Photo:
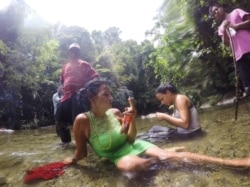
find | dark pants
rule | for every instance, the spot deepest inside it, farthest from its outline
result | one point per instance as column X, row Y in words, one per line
column 159, row 133
column 243, row 66
column 65, row 116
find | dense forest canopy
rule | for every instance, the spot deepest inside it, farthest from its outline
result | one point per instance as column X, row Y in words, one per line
column 186, row 51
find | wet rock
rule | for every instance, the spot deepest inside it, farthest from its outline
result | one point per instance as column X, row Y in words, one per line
column 2, row 181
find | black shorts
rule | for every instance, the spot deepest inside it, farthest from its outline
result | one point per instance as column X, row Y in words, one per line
column 63, row 112
column 158, row 133
column 69, row 109
column 243, row 66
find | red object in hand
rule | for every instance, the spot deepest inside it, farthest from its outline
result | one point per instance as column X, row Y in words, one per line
column 126, row 121
column 128, row 117
column 46, row 172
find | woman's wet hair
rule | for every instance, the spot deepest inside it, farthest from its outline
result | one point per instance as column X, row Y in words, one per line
column 166, row 87
column 90, row 90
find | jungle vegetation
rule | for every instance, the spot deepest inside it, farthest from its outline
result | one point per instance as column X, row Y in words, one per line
column 185, row 51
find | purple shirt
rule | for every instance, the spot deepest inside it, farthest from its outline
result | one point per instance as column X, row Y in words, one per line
column 241, row 41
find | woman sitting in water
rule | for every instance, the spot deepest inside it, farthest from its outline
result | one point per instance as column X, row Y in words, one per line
column 185, row 115
column 101, row 127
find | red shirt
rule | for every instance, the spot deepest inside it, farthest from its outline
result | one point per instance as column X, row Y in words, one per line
column 74, row 76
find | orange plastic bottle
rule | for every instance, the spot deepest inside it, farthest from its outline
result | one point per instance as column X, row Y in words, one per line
column 126, row 121
column 127, row 118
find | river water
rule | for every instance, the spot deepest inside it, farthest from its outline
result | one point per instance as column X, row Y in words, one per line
column 223, row 137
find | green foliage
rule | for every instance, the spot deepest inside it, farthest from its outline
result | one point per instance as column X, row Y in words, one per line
column 111, row 36
column 176, row 44
column 103, row 40
column 3, row 49
column 11, row 21
column 176, row 53
column 67, row 35
column 145, row 83
column 189, row 52
column 27, row 65
column 126, row 64
column 121, row 59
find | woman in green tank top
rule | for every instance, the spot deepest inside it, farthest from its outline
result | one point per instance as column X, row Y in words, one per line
column 103, row 128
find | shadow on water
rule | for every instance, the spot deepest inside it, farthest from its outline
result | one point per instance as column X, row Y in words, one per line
column 222, row 137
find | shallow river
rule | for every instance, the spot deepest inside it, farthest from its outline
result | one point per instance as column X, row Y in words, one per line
column 223, row 137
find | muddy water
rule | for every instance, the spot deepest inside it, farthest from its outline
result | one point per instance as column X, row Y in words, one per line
column 223, row 137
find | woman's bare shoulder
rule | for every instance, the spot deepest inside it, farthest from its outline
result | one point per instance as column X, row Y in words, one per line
column 81, row 120
column 81, row 116
column 182, row 100
column 81, row 125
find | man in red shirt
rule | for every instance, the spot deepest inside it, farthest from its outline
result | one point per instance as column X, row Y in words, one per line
column 75, row 74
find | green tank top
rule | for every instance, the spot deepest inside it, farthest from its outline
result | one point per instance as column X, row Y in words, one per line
column 107, row 141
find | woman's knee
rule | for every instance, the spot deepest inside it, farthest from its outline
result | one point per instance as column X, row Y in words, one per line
column 131, row 163
column 134, row 163
column 125, row 164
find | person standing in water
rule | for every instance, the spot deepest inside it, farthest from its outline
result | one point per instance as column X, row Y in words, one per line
column 238, row 23
column 75, row 74
column 102, row 126
column 56, row 98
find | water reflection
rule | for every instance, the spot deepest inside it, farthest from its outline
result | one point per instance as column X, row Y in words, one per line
column 223, row 137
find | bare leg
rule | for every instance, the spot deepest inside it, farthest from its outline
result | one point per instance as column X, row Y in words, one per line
column 63, row 132
column 199, row 158
column 132, row 163
column 196, row 158
column 175, row 149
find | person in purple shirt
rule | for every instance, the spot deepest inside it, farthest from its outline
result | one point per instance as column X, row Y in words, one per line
column 238, row 24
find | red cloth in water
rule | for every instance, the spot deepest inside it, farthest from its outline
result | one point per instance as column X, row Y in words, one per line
column 46, row 172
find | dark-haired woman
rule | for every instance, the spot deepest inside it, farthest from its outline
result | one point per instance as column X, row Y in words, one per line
column 185, row 115
column 101, row 127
